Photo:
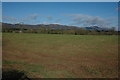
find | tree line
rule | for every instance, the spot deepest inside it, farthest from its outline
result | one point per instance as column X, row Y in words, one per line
column 48, row 30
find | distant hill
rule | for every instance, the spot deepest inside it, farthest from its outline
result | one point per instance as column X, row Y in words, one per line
column 51, row 26
column 27, row 26
column 96, row 28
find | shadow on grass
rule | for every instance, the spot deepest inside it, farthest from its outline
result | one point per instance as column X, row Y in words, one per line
column 14, row 75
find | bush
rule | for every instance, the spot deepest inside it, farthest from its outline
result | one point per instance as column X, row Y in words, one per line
column 14, row 75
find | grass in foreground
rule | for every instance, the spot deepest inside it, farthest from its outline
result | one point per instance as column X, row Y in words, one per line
column 61, row 56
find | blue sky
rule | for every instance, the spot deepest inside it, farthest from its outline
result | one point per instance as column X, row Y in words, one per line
column 67, row 13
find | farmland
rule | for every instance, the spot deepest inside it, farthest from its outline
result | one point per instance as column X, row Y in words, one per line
column 61, row 56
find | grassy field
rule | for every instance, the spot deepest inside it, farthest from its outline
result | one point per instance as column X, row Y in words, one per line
column 61, row 56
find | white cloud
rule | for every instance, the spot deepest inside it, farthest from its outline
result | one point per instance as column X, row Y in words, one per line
column 49, row 17
column 87, row 20
column 30, row 17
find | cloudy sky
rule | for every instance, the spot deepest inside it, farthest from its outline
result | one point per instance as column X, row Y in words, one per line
column 104, row 14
